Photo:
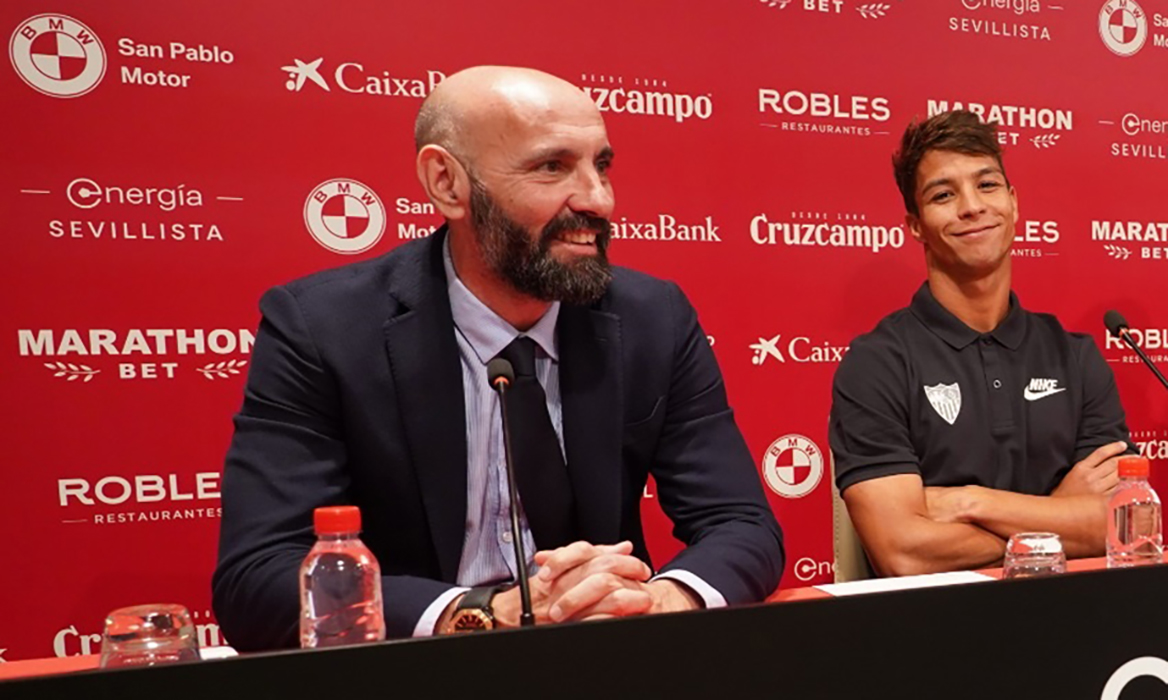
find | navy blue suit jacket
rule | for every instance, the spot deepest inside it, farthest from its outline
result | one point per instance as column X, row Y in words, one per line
column 355, row 396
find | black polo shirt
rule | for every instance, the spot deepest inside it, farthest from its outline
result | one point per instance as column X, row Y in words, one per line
column 1013, row 409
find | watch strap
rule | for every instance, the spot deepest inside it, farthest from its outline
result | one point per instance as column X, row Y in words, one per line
column 479, row 598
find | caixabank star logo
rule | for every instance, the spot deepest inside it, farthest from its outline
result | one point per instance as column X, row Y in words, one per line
column 57, row 55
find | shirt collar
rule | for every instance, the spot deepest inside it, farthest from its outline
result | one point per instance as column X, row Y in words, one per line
column 486, row 331
column 953, row 331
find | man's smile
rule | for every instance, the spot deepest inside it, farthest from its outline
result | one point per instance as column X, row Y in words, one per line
column 577, row 240
column 973, row 232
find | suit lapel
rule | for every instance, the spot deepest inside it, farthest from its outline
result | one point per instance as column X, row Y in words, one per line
column 427, row 375
column 591, row 390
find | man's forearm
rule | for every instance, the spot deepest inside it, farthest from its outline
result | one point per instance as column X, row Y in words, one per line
column 1079, row 521
column 925, row 546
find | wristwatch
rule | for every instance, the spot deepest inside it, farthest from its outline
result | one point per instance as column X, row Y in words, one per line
column 474, row 613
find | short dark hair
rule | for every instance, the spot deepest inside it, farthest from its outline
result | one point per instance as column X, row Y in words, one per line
column 959, row 131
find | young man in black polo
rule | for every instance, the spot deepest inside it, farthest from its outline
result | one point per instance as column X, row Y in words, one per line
column 964, row 418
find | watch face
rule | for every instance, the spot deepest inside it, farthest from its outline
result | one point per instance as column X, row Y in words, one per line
column 471, row 621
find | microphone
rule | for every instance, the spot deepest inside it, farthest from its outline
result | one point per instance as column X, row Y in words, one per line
column 500, row 374
column 1117, row 326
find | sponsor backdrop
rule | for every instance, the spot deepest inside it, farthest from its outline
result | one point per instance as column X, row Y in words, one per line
column 165, row 164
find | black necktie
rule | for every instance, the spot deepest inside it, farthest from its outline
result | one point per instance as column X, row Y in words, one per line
column 545, row 491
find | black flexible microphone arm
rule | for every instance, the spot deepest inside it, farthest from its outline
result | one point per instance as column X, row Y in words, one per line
column 1117, row 326
column 501, row 374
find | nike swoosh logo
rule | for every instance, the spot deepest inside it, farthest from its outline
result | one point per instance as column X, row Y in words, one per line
column 1036, row 395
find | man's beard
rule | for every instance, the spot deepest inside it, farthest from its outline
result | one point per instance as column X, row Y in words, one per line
column 528, row 264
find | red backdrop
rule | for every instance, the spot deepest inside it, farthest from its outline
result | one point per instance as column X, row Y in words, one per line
column 162, row 164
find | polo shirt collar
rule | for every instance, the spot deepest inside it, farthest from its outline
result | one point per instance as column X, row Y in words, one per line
column 486, row 332
column 953, row 331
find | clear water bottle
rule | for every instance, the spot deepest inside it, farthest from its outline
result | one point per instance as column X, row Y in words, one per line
column 1134, row 537
column 340, row 584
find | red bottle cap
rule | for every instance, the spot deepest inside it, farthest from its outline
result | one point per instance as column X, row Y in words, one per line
column 337, row 520
column 1133, row 468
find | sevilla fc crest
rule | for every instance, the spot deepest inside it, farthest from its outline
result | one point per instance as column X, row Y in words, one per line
column 946, row 400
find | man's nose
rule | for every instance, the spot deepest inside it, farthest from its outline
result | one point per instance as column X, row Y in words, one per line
column 971, row 203
column 593, row 195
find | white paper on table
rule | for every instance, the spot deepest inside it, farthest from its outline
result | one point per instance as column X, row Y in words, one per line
column 206, row 653
column 901, row 583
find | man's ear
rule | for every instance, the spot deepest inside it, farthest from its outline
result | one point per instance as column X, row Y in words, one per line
column 913, row 223
column 445, row 180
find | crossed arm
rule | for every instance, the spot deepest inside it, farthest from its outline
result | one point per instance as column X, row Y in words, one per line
column 908, row 528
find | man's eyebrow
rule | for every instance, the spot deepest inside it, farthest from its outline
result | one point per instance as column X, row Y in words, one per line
column 936, row 183
column 548, row 154
column 988, row 170
column 560, row 153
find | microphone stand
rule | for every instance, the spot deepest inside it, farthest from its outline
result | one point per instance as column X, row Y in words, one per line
column 1125, row 333
column 526, row 617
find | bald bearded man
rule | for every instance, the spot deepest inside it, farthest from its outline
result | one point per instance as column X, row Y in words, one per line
column 368, row 386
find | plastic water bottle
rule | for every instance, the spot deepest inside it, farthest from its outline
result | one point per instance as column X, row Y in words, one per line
column 340, row 584
column 1134, row 537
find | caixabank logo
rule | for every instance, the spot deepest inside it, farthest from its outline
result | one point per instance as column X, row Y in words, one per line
column 86, row 355
column 61, row 56
column 666, row 228
column 354, row 78
column 778, row 349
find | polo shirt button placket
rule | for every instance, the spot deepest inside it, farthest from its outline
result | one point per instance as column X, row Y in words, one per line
column 1001, row 420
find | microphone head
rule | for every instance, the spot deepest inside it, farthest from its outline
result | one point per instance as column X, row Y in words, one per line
column 1115, row 322
column 500, row 371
